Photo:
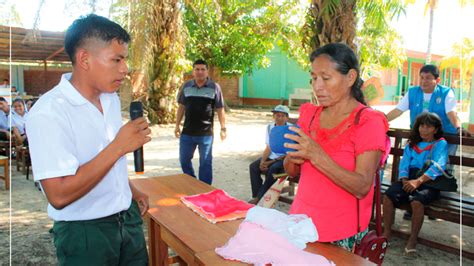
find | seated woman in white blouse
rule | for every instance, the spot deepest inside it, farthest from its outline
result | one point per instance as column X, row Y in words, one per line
column 18, row 121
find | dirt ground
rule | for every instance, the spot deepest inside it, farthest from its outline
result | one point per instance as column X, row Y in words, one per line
column 31, row 242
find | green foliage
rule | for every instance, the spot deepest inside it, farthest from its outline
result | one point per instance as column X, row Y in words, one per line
column 235, row 35
column 462, row 57
column 9, row 16
column 379, row 45
column 362, row 24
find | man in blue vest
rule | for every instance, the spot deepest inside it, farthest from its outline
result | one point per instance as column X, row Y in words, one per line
column 431, row 97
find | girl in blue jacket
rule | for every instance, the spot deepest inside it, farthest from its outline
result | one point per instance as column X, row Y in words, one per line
column 424, row 144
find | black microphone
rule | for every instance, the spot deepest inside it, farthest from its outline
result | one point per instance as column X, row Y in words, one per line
column 136, row 111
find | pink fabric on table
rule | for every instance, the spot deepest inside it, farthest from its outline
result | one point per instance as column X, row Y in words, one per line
column 256, row 245
column 333, row 209
column 224, row 218
column 217, row 203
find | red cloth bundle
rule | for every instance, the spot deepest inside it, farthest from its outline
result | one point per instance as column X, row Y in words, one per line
column 217, row 206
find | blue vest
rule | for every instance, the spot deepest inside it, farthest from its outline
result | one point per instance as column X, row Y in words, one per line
column 415, row 100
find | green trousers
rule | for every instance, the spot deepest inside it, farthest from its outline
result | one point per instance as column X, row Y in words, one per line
column 114, row 240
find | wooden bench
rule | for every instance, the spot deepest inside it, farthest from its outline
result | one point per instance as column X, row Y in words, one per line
column 300, row 94
column 450, row 204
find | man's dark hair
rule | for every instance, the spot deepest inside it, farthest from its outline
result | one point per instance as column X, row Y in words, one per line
column 430, row 69
column 92, row 27
column 3, row 99
column 200, row 62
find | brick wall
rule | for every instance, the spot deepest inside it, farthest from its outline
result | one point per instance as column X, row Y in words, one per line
column 229, row 86
column 230, row 89
column 39, row 82
column 4, row 74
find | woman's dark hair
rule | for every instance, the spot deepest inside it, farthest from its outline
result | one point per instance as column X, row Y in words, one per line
column 429, row 119
column 345, row 60
column 18, row 100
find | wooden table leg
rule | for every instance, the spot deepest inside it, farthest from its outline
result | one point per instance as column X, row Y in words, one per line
column 158, row 249
column 6, row 172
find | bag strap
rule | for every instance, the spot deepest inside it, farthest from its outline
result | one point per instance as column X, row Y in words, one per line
column 378, row 214
column 357, row 116
column 428, row 161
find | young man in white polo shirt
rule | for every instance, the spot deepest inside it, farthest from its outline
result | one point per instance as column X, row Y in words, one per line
column 78, row 146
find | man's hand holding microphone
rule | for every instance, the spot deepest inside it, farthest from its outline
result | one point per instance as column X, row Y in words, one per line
column 131, row 137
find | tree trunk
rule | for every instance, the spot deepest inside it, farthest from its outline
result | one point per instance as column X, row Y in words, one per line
column 469, row 101
column 430, row 35
column 327, row 23
column 158, row 49
column 166, row 73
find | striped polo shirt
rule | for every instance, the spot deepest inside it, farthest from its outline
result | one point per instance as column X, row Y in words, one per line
column 200, row 103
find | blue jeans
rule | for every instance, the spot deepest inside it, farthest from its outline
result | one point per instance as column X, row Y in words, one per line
column 187, row 146
column 259, row 187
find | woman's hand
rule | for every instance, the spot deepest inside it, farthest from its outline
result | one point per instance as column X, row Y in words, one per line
column 292, row 165
column 306, row 148
column 412, row 185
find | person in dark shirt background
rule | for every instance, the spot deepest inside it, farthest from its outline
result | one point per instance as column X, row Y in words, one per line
column 198, row 100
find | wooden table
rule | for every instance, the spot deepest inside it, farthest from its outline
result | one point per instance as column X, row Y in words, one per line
column 172, row 224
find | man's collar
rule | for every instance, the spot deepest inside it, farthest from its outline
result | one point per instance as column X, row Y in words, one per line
column 71, row 93
column 75, row 98
column 205, row 84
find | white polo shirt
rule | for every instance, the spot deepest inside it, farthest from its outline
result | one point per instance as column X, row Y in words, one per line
column 66, row 131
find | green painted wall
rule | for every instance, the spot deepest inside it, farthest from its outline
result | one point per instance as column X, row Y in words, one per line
column 389, row 93
column 276, row 81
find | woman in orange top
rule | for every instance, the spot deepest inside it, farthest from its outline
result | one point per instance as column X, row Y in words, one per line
column 335, row 156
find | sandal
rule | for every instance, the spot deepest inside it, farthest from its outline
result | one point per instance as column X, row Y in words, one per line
column 411, row 251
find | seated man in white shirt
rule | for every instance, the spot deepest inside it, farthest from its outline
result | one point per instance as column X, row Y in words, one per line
column 78, row 146
column 270, row 163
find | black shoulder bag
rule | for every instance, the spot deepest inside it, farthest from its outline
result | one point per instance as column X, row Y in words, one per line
column 445, row 182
